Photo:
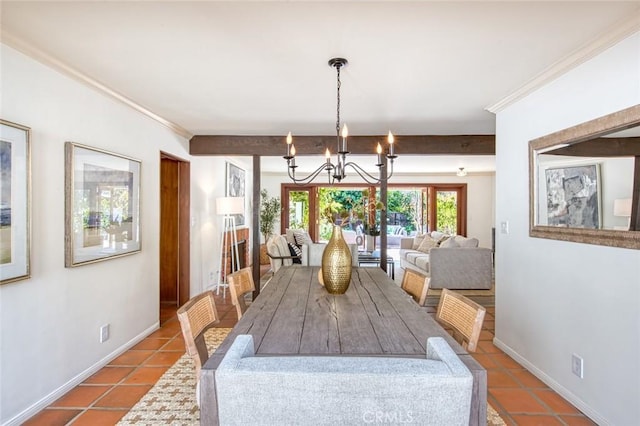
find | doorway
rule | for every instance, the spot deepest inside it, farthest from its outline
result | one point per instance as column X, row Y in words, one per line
column 414, row 207
column 175, row 182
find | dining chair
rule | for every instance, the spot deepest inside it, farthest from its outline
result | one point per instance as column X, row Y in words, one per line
column 240, row 284
column 196, row 317
column 416, row 285
column 463, row 315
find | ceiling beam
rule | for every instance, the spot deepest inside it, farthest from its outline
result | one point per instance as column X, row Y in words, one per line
column 602, row 147
column 316, row 145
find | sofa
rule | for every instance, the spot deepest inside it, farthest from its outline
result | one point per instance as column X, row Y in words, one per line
column 342, row 390
column 283, row 253
column 453, row 262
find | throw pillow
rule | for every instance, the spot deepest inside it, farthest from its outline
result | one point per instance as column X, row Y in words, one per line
column 283, row 247
column 427, row 244
column 466, row 242
column 437, row 235
column 417, row 240
column 289, row 236
column 295, row 251
column 449, row 243
column 441, row 240
column 302, row 237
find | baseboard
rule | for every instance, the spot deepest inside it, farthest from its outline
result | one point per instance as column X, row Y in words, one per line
column 79, row 378
column 561, row 390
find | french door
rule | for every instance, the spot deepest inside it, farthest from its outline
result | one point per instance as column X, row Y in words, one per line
column 441, row 207
column 299, row 209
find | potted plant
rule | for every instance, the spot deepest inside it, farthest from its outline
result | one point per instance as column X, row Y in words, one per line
column 269, row 213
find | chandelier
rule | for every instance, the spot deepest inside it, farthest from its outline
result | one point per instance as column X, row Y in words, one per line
column 337, row 171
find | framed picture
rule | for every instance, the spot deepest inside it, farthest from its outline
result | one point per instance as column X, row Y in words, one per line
column 15, row 202
column 235, row 186
column 573, row 196
column 102, row 205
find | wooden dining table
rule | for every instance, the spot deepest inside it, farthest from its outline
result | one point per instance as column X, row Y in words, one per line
column 295, row 315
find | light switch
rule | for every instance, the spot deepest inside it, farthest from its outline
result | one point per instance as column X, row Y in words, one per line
column 504, row 227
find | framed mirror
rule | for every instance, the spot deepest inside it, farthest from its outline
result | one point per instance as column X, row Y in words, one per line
column 584, row 182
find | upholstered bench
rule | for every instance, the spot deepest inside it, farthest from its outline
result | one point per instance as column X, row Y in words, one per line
column 330, row 390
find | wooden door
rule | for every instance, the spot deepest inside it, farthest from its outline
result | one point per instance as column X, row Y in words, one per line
column 168, row 231
column 174, row 230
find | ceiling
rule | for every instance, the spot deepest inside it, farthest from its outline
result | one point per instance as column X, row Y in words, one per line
column 260, row 68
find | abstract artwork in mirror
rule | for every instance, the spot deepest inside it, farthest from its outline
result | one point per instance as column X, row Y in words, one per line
column 585, row 182
column 102, row 205
column 573, row 198
column 15, row 174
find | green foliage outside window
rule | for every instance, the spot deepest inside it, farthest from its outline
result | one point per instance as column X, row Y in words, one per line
column 447, row 212
column 403, row 202
column 294, row 198
column 349, row 208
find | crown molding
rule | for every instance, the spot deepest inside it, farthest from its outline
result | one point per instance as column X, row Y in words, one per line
column 614, row 35
column 52, row 62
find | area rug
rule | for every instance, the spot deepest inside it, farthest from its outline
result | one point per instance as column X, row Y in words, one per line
column 172, row 400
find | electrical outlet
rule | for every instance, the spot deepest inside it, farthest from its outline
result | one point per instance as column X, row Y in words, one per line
column 104, row 333
column 577, row 365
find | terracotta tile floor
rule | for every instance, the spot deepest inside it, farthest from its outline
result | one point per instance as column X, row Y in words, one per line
column 102, row 399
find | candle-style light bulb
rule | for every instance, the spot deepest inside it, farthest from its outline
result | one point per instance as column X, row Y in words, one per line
column 379, row 151
column 293, row 156
column 345, row 133
column 289, row 141
column 391, row 140
column 327, row 155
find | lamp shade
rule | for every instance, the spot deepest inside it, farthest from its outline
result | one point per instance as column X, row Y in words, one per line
column 229, row 205
column 622, row 207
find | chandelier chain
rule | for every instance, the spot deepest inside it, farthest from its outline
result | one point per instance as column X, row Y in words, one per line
column 338, row 104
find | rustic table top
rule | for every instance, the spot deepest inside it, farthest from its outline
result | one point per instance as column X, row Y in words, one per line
column 294, row 315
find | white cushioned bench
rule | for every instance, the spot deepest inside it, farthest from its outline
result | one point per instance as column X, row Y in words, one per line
column 330, row 390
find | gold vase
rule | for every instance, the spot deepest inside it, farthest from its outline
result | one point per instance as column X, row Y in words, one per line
column 336, row 263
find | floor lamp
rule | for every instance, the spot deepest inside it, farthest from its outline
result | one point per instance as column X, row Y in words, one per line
column 228, row 207
column 622, row 208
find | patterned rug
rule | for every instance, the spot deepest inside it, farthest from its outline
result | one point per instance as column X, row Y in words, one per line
column 172, row 400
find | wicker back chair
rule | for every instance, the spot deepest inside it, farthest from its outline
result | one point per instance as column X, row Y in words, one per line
column 197, row 316
column 463, row 315
column 240, row 283
column 416, row 285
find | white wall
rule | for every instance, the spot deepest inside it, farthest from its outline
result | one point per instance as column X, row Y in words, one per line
column 480, row 197
column 207, row 184
column 557, row 298
column 49, row 323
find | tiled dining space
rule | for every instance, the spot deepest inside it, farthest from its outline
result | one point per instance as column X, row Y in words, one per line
column 518, row 396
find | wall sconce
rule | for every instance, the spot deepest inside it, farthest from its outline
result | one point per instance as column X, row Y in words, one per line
column 461, row 172
column 622, row 208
